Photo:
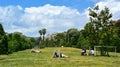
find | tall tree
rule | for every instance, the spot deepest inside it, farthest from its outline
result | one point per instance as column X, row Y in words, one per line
column 42, row 33
column 40, row 38
column 3, row 41
column 72, row 37
column 99, row 27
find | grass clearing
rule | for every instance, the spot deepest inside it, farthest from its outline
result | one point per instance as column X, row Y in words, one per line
column 44, row 59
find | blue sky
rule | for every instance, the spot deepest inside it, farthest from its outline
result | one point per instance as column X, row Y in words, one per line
column 29, row 16
column 77, row 4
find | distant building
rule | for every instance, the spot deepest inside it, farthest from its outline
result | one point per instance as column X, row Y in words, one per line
column 51, row 36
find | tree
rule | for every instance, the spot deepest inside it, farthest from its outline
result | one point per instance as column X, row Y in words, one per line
column 17, row 41
column 82, row 41
column 72, row 37
column 59, row 39
column 3, row 41
column 99, row 28
column 116, row 36
column 42, row 33
column 40, row 38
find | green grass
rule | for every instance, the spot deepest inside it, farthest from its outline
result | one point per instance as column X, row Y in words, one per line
column 44, row 59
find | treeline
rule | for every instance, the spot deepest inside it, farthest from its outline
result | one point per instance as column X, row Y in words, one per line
column 101, row 30
column 14, row 42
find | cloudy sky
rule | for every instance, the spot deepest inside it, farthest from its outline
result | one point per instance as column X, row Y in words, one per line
column 29, row 16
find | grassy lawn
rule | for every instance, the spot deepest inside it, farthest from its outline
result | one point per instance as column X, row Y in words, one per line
column 44, row 59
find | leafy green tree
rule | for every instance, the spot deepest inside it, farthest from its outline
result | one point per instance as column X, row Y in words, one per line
column 3, row 41
column 33, row 40
column 72, row 37
column 99, row 28
column 83, row 41
column 59, row 39
column 17, row 41
column 116, row 36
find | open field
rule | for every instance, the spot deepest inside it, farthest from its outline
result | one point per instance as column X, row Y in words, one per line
column 44, row 59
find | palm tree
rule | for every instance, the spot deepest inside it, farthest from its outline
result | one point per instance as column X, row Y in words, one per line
column 40, row 38
column 43, row 32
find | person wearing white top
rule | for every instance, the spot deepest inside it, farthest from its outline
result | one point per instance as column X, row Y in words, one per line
column 92, row 52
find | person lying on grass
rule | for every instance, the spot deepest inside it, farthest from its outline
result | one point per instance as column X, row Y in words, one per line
column 58, row 54
column 35, row 51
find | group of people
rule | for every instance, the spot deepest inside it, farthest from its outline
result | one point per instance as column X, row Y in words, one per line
column 58, row 54
column 84, row 52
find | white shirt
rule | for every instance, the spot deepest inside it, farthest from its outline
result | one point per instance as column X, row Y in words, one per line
column 92, row 51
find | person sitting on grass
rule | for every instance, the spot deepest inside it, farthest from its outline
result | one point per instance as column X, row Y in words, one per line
column 92, row 52
column 58, row 54
column 83, row 52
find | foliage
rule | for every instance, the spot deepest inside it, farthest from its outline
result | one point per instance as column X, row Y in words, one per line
column 116, row 36
column 17, row 42
column 3, row 41
column 100, row 28
column 60, row 39
column 83, row 41
column 72, row 37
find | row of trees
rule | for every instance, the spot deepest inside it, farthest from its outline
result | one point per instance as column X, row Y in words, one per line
column 13, row 42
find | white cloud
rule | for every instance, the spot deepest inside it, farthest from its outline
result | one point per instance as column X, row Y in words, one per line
column 30, row 20
column 113, row 5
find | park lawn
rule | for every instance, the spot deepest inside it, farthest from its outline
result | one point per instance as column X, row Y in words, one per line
column 44, row 59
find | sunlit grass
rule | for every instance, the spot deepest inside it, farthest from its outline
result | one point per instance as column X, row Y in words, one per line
column 44, row 59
